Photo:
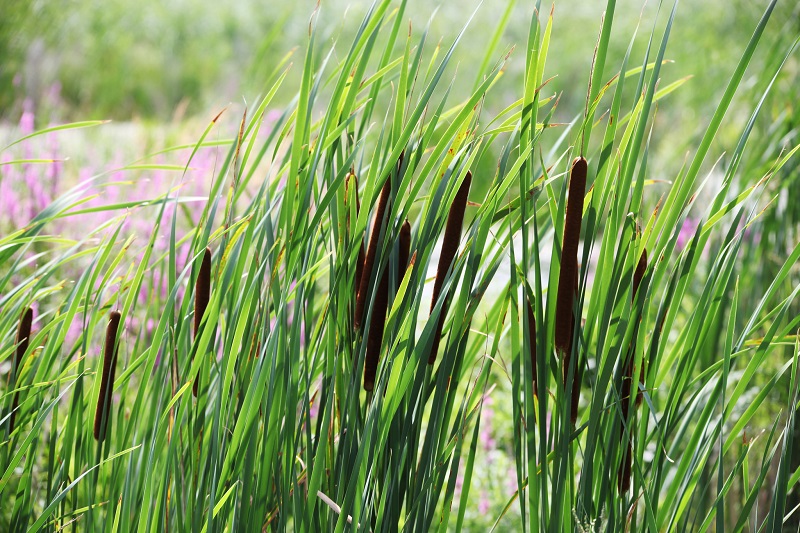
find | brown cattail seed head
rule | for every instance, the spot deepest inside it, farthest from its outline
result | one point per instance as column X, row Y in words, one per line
column 23, row 338
column 202, row 294
column 638, row 274
column 202, row 290
column 372, row 252
column 569, row 255
column 452, row 236
column 624, row 472
column 103, row 411
column 375, row 335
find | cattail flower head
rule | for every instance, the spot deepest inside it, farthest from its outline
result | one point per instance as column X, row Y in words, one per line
column 23, row 338
column 375, row 334
column 110, row 350
column 202, row 290
column 569, row 255
column 452, row 236
column 202, row 294
column 372, row 252
column 405, row 249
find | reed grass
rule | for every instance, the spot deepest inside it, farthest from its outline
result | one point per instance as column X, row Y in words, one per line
column 288, row 440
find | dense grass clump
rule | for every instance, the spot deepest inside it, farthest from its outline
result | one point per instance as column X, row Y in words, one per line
column 571, row 338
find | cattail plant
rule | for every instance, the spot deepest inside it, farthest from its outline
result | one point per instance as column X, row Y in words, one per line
column 372, row 252
column 23, row 338
column 624, row 472
column 565, row 297
column 202, row 293
column 452, row 235
column 110, row 350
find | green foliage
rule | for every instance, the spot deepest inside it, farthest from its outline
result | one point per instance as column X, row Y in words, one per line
column 281, row 434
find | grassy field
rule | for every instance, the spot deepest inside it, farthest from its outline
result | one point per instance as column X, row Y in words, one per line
column 510, row 269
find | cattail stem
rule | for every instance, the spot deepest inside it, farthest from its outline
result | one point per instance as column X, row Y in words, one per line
column 23, row 338
column 202, row 294
column 569, row 256
column 452, row 236
column 532, row 345
column 110, row 350
column 372, row 252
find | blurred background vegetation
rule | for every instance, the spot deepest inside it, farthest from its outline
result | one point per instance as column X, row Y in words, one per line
column 154, row 60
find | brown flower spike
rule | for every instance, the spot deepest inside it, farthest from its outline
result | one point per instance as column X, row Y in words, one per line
column 202, row 294
column 23, row 338
column 372, row 252
column 569, row 256
column 110, row 351
column 452, row 235
column 532, row 344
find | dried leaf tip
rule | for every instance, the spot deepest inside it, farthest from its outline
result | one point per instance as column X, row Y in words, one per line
column 569, row 255
column 452, row 236
column 110, row 350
